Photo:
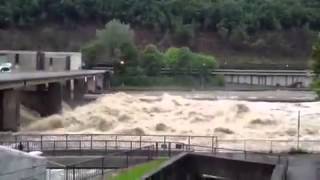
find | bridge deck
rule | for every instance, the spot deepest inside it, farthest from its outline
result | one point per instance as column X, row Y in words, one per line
column 21, row 79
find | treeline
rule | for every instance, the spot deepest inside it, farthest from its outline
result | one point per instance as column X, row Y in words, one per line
column 213, row 15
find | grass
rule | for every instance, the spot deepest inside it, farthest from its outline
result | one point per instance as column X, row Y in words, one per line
column 136, row 173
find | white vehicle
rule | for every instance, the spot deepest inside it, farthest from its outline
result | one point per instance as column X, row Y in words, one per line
column 5, row 67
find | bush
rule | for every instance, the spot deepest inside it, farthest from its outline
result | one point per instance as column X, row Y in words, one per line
column 179, row 59
column 152, row 60
column 204, row 63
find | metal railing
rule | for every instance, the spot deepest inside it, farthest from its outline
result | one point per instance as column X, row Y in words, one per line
column 101, row 166
column 33, row 142
column 39, row 142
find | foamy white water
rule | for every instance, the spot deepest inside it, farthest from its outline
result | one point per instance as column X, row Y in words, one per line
column 174, row 114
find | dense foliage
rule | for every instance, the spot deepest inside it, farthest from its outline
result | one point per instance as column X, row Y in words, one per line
column 316, row 66
column 152, row 60
column 222, row 15
column 114, row 43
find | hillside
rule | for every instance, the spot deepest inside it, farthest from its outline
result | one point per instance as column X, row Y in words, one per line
column 294, row 47
column 239, row 32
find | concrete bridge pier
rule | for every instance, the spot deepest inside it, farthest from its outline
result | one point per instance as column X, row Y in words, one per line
column 46, row 100
column 80, row 89
column 9, row 110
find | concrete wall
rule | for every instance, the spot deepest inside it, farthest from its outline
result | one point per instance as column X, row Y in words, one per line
column 196, row 166
column 16, row 165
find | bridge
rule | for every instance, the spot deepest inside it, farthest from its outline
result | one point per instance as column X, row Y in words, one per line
column 271, row 78
column 43, row 91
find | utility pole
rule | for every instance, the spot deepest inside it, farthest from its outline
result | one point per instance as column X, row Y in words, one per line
column 298, row 137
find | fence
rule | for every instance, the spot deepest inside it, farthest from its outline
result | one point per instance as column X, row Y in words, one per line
column 105, row 142
column 34, row 142
column 98, row 167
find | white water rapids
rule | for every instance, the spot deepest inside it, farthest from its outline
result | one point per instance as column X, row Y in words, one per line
column 177, row 115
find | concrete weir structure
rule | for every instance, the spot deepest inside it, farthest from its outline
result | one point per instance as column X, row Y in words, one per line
column 40, row 83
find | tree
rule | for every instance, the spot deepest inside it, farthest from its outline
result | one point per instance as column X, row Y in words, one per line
column 152, row 60
column 113, row 45
column 316, row 66
column 179, row 59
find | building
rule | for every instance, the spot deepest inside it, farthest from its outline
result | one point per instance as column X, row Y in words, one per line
column 46, row 61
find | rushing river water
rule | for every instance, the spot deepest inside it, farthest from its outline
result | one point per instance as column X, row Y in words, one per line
column 186, row 113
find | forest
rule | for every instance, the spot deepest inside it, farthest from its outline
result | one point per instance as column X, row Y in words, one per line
column 239, row 33
column 223, row 15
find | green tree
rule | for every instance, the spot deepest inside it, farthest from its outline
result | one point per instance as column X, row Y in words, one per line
column 113, row 45
column 152, row 60
column 179, row 59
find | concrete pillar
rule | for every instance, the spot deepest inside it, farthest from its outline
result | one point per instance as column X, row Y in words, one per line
column 91, row 84
column 107, row 81
column 80, row 88
column 54, row 99
column 67, row 91
column 9, row 110
column 100, row 83
column 45, row 100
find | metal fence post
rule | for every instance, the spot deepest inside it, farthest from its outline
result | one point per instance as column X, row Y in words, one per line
column 67, row 142
column 212, row 144
column 73, row 173
column 189, row 143
column 91, row 142
column 66, row 173
column 80, row 152
column 106, row 146
column 102, row 166
column 127, row 159
column 54, row 147
column 169, row 149
column 116, row 142
column 157, row 149
column 41, row 138
column 140, row 141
